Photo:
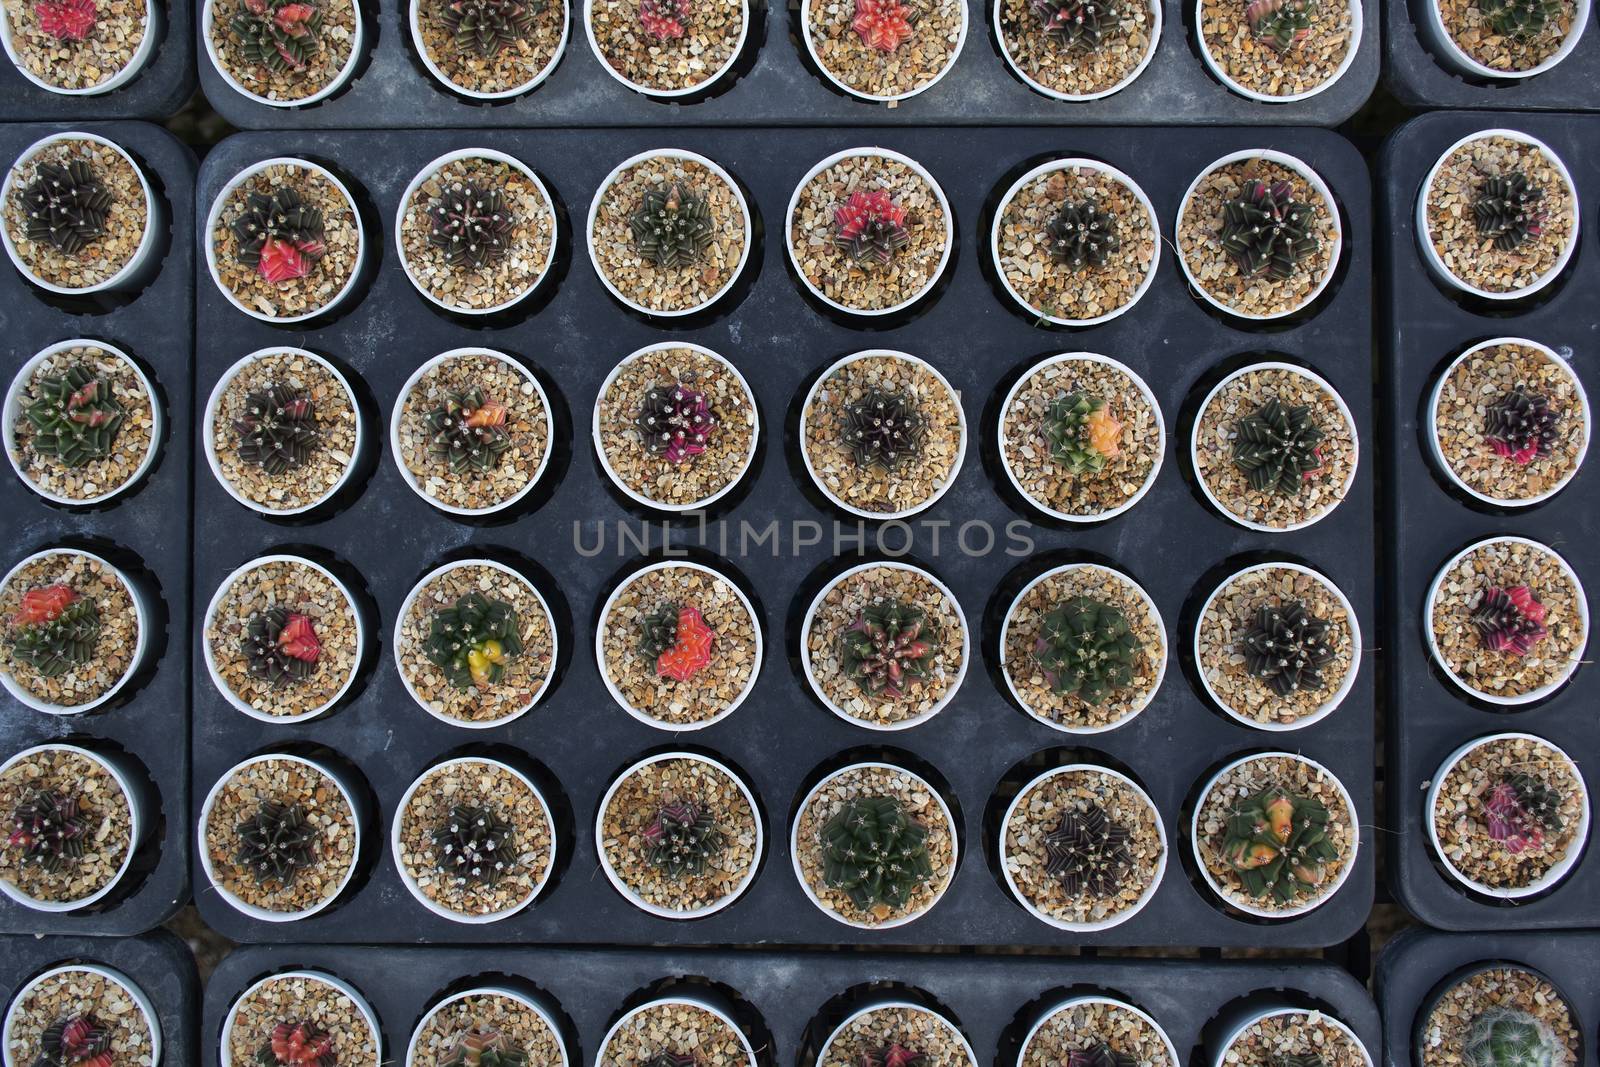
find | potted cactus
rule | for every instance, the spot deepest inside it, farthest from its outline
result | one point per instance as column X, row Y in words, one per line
column 882, row 434
column 869, row 231
column 1502, row 40
column 1277, row 646
column 300, row 1019
column 896, row 1032
column 873, row 845
column 283, row 53
column 475, row 643
column 1258, row 235
column 81, row 423
column 473, row 839
column 679, row 835
column 675, row 426
column 489, row 49
column 885, row 646
column 1278, row 51
column 1096, row 1030
column 80, row 47
column 1497, row 1015
column 1083, row 648
column 1508, row 815
column 668, row 48
column 678, row 1030
column 75, row 630
column 78, row 215
column 476, row 228
column 1077, row 50
column 1507, row 620
column 1083, row 848
column 1081, row 437
column 75, row 1014
column 1275, row 834
column 75, row 821
column 1497, row 216
column 490, row 1026
column 1274, row 447
column 1272, row 1035
column 280, row 836
column 1075, row 242
column 1509, row 422
column 679, row 645
column 669, row 232
column 472, row 431
column 883, row 51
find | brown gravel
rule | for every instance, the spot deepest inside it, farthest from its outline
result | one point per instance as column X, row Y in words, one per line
column 1481, row 380
column 525, row 675
column 1257, row 66
column 324, row 65
column 1507, row 564
column 113, row 648
column 919, row 1029
column 640, row 280
column 1083, row 1026
column 119, row 29
column 524, row 1028
column 1047, row 481
column 1231, row 613
column 301, row 590
column 1453, row 231
column 838, row 609
column 673, row 65
column 920, row 802
column 100, row 259
column 1449, row 1021
column 337, row 423
column 81, row 992
column 1076, row 72
column 1243, row 782
column 633, row 807
column 1461, row 827
column 529, row 247
column 1043, row 805
column 864, row 284
column 134, row 440
column 341, row 233
column 917, row 63
column 1200, row 242
column 1297, row 1033
column 914, row 482
column 103, row 808
column 1464, row 21
column 729, row 449
column 1054, row 290
column 527, row 423
column 1244, row 396
column 1066, row 710
column 287, row 782
column 299, row 999
column 711, row 690
column 476, row 784
column 677, row 1028
column 511, row 67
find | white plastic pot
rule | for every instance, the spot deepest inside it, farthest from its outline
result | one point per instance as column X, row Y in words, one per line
column 1235, row 899
column 669, row 94
column 617, row 694
column 358, row 40
column 961, row 443
column 1138, row 384
column 147, row 1010
column 410, row 882
column 1461, row 683
column 1217, row 71
column 428, row 171
column 806, row 9
column 621, row 886
column 368, row 1016
column 1245, row 1017
column 253, row 911
column 896, row 1005
column 1075, row 163
column 154, row 24
column 399, row 641
column 1436, row 449
column 398, row 414
column 1091, row 926
column 811, row 893
column 1344, row 413
column 522, row 1000
column 214, row 219
column 213, row 668
column 414, row 19
column 142, row 612
column 1110, row 1002
column 1437, row 37
column 877, row 153
column 599, row 445
column 1557, row 871
column 13, row 415
column 155, row 218
column 1324, row 709
column 1313, row 181
column 1430, row 255
column 122, row 771
column 1153, row 30
column 705, row 1004
column 605, row 188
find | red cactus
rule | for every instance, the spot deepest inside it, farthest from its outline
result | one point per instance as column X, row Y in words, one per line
column 870, row 225
column 298, row 1045
column 1509, row 620
column 44, row 604
column 67, row 20
column 299, row 639
column 692, row 652
column 882, row 24
column 282, row 260
column 664, row 19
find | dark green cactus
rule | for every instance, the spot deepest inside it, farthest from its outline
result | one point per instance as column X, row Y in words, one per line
column 66, row 206
column 888, row 647
column 278, row 429
column 64, row 639
column 278, row 35
column 469, row 432
column 1265, row 228
column 474, row 845
column 1088, row 853
column 876, row 853
column 1278, row 448
column 672, row 226
column 1520, row 19
column 1080, row 235
column 1277, row 844
column 277, row 843
column 1287, row 647
column 76, row 418
column 487, row 26
column 1087, row 649
column 682, row 839
column 883, row 430
column 1509, row 210
column 473, row 640
column 1080, row 25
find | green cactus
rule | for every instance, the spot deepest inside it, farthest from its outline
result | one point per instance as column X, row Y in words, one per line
column 1082, row 432
column 59, row 641
column 1085, row 648
column 76, row 417
column 1506, row 1037
column 889, row 646
column 473, row 639
column 1277, row 843
column 876, row 853
column 1520, row 19
column 1278, row 448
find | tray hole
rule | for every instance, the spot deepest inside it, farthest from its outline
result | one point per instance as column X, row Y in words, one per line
column 836, row 1009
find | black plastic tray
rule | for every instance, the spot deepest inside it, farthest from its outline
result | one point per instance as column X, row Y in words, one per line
column 150, row 718
column 1428, row 716
column 993, row 999
column 1170, row 541
column 1418, row 961
column 781, row 88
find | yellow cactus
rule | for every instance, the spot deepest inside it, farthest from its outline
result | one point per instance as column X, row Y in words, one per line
column 481, row 659
column 1104, row 432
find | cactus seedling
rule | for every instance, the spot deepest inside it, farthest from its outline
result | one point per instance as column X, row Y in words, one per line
column 474, row 845
column 51, row 829
column 276, row 843
column 1278, row 448
column 54, row 629
column 67, row 20
column 1280, row 24
column 1521, row 426
column 297, row 1044
column 893, row 1054
column 1287, row 648
column 883, row 24
column 75, row 1041
column 1099, row 1054
column 1088, row 853
column 76, row 418
column 1507, row 1037
column 1079, row 25
column 675, row 422
column 682, row 839
column 469, row 431
column 870, row 227
column 473, row 640
column 1082, row 432
column 876, row 853
column 66, row 206
column 280, row 235
column 1509, row 211
column 280, row 646
column 678, row 639
column 1086, row 649
column 664, row 20
column 278, row 429
column 1266, row 228
column 487, row 26
column 1520, row 19
column 672, row 226
column 889, row 646
column 883, row 430
column 482, row 1046
column 1509, row 620
column 1277, row 844
column 278, row 35
column 471, row 223
column 1080, row 235
column 1519, row 810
